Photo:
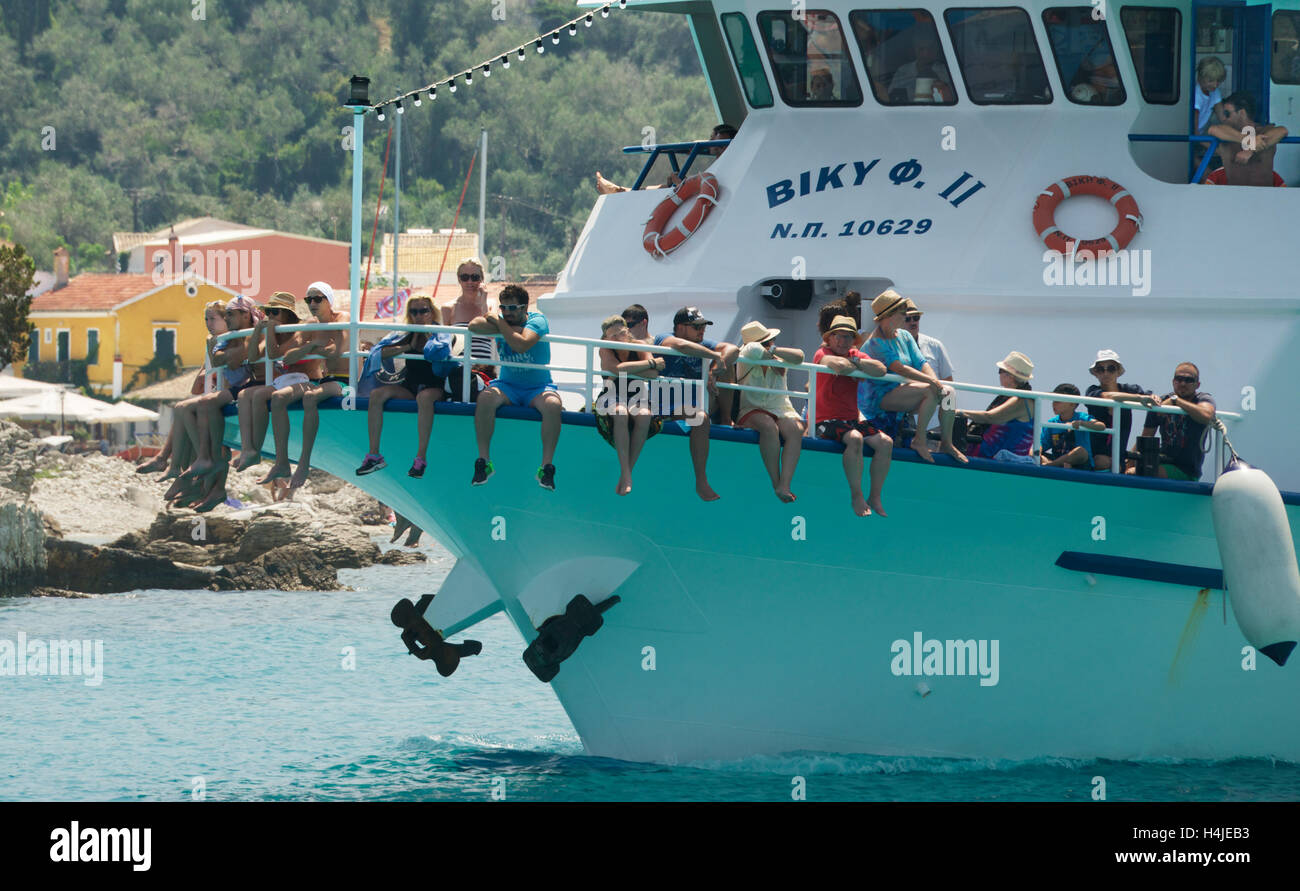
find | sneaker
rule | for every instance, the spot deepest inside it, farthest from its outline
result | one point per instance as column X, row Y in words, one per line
column 417, row 468
column 546, row 476
column 371, row 464
column 482, row 470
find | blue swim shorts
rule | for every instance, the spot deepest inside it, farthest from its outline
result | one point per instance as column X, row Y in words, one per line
column 521, row 395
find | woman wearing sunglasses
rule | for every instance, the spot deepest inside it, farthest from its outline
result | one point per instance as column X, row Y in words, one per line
column 472, row 303
column 254, row 400
column 422, row 382
column 214, row 317
column 1106, row 369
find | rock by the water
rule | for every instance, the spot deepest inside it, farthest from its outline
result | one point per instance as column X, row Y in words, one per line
column 22, row 545
column 291, row 567
column 397, row 557
column 105, row 570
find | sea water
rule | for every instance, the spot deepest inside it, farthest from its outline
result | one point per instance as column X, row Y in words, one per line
column 268, row 695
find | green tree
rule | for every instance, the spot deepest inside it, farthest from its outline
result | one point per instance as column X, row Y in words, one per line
column 17, row 275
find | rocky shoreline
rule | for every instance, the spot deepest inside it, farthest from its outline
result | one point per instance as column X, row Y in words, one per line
column 73, row 525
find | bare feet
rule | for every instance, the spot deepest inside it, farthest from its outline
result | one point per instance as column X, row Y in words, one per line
column 624, row 485
column 177, row 487
column 278, row 472
column 199, row 468
column 400, row 525
column 876, row 506
column 299, row 478
column 248, row 459
column 955, row 453
column 860, row 506
column 923, row 449
column 785, row 495
column 217, row 497
column 605, row 187
column 706, row 493
column 154, row 466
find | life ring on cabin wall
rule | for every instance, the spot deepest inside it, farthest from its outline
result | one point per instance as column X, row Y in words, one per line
column 1130, row 218
column 704, row 189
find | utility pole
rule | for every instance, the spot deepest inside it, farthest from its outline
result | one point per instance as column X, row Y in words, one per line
column 482, row 192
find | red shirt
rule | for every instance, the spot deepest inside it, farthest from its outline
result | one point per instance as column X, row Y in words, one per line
column 837, row 394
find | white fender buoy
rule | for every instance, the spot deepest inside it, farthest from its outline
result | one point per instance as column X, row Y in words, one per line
column 1259, row 563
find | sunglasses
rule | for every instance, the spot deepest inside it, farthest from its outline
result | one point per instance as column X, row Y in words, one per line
column 315, row 298
column 1185, row 379
column 911, row 319
column 513, row 307
column 422, row 311
column 1108, row 369
column 470, row 277
column 275, row 311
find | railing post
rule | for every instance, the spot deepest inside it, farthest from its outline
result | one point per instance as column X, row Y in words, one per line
column 467, row 366
column 1117, row 424
column 354, row 274
column 591, row 390
column 810, row 404
column 1038, row 426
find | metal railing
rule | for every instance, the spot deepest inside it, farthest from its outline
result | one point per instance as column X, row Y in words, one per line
column 672, row 150
column 593, row 374
column 1190, row 138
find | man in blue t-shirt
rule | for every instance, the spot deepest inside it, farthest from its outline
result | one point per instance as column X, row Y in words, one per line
column 1069, row 448
column 688, row 338
column 520, row 333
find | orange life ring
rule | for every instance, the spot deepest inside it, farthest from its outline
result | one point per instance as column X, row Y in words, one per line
column 704, row 188
column 1130, row 218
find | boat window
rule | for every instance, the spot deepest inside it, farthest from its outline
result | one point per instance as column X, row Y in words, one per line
column 748, row 64
column 1083, row 56
column 1286, row 47
column 809, row 58
column 998, row 56
column 1154, row 38
column 905, row 61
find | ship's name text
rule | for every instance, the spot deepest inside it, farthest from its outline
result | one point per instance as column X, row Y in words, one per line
column 843, row 176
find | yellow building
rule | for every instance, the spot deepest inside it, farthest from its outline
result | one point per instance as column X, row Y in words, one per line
column 104, row 319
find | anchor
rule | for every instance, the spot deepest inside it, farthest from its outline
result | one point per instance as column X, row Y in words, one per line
column 424, row 641
column 560, row 635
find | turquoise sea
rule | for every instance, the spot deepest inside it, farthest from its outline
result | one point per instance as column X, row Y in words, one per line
column 256, row 696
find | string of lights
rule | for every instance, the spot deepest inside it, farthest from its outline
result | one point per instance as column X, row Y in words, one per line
column 430, row 91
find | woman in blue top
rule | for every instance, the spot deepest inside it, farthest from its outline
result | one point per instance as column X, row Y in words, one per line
column 1010, row 435
column 894, row 347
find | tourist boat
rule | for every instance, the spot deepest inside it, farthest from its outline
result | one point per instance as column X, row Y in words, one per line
column 999, row 612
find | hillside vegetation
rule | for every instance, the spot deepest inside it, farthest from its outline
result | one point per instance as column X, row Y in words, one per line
column 137, row 113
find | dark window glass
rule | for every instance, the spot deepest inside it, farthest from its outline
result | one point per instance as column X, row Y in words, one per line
column 998, row 56
column 92, row 346
column 905, row 61
column 1286, row 47
column 1154, row 38
column 1083, row 56
column 34, row 346
column 62, row 345
column 748, row 64
column 810, row 58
